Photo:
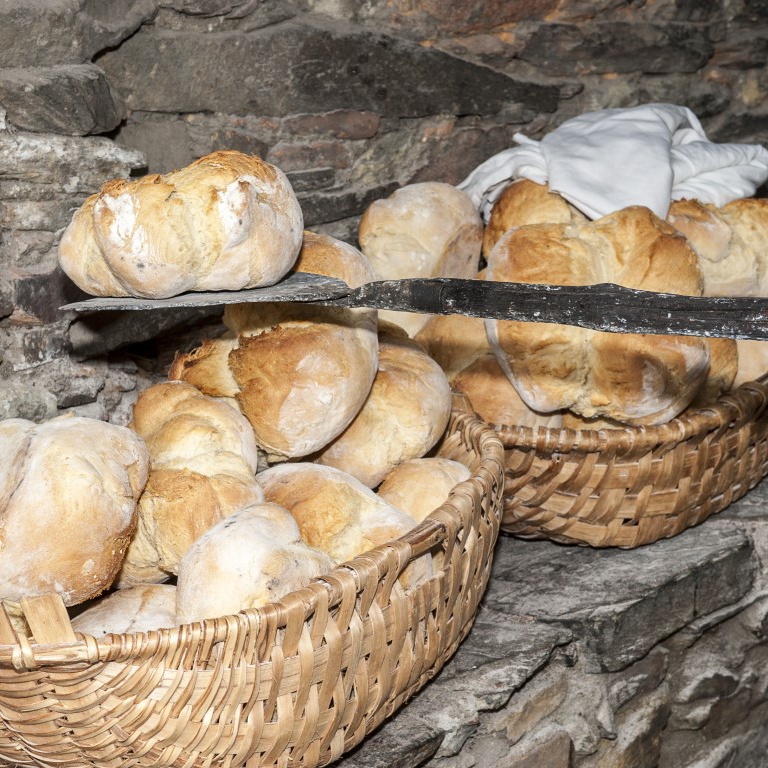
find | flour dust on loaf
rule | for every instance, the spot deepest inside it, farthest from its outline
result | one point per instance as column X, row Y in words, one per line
column 428, row 229
column 203, row 460
column 299, row 372
column 228, row 221
column 248, row 560
column 403, row 417
column 68, row 494
column 631, row 378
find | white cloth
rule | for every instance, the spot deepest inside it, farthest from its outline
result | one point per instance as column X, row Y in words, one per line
column 604, row 161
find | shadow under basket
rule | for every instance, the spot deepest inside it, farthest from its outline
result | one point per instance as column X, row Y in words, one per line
column 295, row 683
column 633, row 486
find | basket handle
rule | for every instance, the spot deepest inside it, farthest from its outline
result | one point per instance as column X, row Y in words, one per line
column 48, row 619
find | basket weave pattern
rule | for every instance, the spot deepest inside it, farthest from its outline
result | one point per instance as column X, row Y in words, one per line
column 632, row 486
column 296, row 683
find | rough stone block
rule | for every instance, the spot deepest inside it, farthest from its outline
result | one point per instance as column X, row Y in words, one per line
column 622, row 603
column 640, row 678
column 617, row 47
column 71, row 165
column 164, row 142
column 310, row 155
column 38, row 297
column 41, row 33
column 23, row 401
column 26, row 346
column 49, row 216
column 27, row 251
column 550, row 747
column 332, row 65
column 74, row 100
column 341, row 124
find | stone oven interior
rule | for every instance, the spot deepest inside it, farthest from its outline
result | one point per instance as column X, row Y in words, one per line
column 580, row 658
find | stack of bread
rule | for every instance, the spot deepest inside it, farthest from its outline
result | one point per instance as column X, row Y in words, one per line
column 253, row 469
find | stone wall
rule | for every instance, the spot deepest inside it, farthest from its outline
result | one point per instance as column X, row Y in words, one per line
column 350, row 99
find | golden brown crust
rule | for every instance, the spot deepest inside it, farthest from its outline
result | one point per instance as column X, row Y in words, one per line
column 525, row 202
column 626, row 377
column 227, row 221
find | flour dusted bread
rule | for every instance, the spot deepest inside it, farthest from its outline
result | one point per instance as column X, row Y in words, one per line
column 525, row 202
column 460, row 345
column 429, row 229
column 299, row 373
column 420, row 486
column 336, row 513
column 227, row 221
column 203, row 460
column 250, row 559
column 404, row 415
column 140, row 608
column 730, row 242
column 68, row 493
column 627, row 377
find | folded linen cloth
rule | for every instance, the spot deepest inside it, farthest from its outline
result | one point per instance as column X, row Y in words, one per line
column 607, row 160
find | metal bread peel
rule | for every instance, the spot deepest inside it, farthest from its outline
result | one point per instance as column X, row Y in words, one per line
column 603, row 307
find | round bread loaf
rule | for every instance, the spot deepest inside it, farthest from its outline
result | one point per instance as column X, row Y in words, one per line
column 419, row 486
column 494, row 398
column 68, row 493
column 429, row 229
column 227, row 221
column 203, row 460
column 299, row 372
column 252, row 558
column 135, row 609
column 404, row 415
column 730, row 243
column 337, row 514
column 525, row 202
column 637, row 379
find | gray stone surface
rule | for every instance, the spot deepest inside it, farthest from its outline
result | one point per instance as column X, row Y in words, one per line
column 329, row 66
column 41, row 33
column 622, row 603
column 74, row 100
column 21, row 401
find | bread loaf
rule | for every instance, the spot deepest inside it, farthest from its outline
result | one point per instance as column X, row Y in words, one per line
column 730, row 242
column 752, row 360
column 404, row 415
column 525, row 202
column 338, row 514
column 135, row 609
column 429, row 229
column 227, row 221
column 626, row 377
column 252, row 558
column 419, row 486
column 203, row 460
column 68, row 493
column 299, row 372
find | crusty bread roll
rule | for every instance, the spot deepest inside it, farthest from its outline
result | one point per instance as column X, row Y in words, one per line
column 250, row 559
column 68, row 493
column 429, row 229
column 525, row 202
column 338, row 514
column 454, row 341
column 419, row 486
column 730, row 242
column 299, row 372
column 627, row 377
column 723, row 367
column 227, row 221
column 203, row 460
column 404, row 415
column 495, row 399
column 752, row 361
column 140, row 608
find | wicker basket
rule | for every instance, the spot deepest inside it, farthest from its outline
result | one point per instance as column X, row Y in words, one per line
column 296, row 683
column 632, row 486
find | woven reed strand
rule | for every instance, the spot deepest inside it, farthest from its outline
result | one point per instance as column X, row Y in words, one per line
column 296, row 683
column 633, row 486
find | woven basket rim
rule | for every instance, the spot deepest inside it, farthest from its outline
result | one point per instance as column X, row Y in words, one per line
column 731, row 409
column 433, row 530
